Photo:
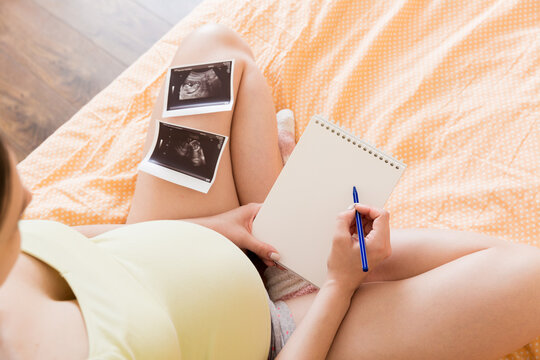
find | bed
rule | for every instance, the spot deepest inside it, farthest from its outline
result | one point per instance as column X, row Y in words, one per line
column 452, row 88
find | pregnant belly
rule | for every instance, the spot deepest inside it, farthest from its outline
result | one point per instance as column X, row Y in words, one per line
column 214, row 294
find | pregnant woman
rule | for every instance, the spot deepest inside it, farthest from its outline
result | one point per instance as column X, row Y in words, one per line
column 169, row 289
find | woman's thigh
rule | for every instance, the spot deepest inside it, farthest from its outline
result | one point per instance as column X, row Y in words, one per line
column 155, row 198
column 479, row 306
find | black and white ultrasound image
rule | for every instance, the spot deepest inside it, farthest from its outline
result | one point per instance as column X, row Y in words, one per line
column 199, row 85
column 189, row 151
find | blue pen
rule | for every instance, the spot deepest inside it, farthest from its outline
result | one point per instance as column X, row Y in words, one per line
column 360, row 229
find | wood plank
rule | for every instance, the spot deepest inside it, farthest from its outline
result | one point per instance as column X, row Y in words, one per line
column 122, row 27
column 30, row 110
column 170, row 10
column 66, row 61
column 50, row 67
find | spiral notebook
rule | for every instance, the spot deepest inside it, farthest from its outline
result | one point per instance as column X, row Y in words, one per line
column 298, row 215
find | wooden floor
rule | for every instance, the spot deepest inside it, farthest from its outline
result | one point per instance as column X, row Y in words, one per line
column 55, row 55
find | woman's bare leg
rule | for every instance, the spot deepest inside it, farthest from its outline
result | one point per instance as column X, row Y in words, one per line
column 481, row 305
column 251, row 160
column 415, row 251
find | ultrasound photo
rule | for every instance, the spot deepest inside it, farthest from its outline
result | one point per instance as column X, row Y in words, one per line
column 198, row 89
column 185, row 156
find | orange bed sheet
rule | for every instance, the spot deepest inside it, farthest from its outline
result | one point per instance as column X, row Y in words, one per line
column 450, row 87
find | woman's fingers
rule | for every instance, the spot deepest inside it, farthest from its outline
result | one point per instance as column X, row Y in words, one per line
column 367, row 226
column 267, row 253
column 345, row 222
column 369, row 212
column 253, row 209
column 372, row 218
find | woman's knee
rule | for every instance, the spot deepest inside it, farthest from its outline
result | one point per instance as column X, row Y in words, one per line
column 219, row 38
column 526, row 259
column 515, row 269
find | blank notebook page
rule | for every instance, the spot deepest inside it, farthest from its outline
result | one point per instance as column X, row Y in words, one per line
column 298, row 215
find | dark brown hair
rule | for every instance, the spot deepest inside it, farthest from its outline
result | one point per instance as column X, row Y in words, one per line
column 5, row 179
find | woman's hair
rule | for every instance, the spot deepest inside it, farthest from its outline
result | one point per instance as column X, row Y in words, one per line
column 5, row 176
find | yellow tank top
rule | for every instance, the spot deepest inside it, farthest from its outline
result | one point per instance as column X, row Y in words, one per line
column 159, row 290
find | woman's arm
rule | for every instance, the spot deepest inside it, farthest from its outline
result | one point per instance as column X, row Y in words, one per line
column 314, row 335
column 312, row 339
column 98, row 229
column 234, row 224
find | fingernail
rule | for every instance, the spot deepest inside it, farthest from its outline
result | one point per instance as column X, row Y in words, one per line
column 350, row 207
column 275, row 256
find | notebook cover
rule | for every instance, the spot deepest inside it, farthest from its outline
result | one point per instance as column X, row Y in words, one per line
column 298, row 215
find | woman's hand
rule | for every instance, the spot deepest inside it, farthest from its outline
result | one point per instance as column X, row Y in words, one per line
column 236, row 226
column 344, row 262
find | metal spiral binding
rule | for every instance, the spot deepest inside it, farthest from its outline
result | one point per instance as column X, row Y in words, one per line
column 346, row 133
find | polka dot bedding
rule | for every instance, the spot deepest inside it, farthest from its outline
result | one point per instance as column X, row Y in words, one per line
column 452, row 88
